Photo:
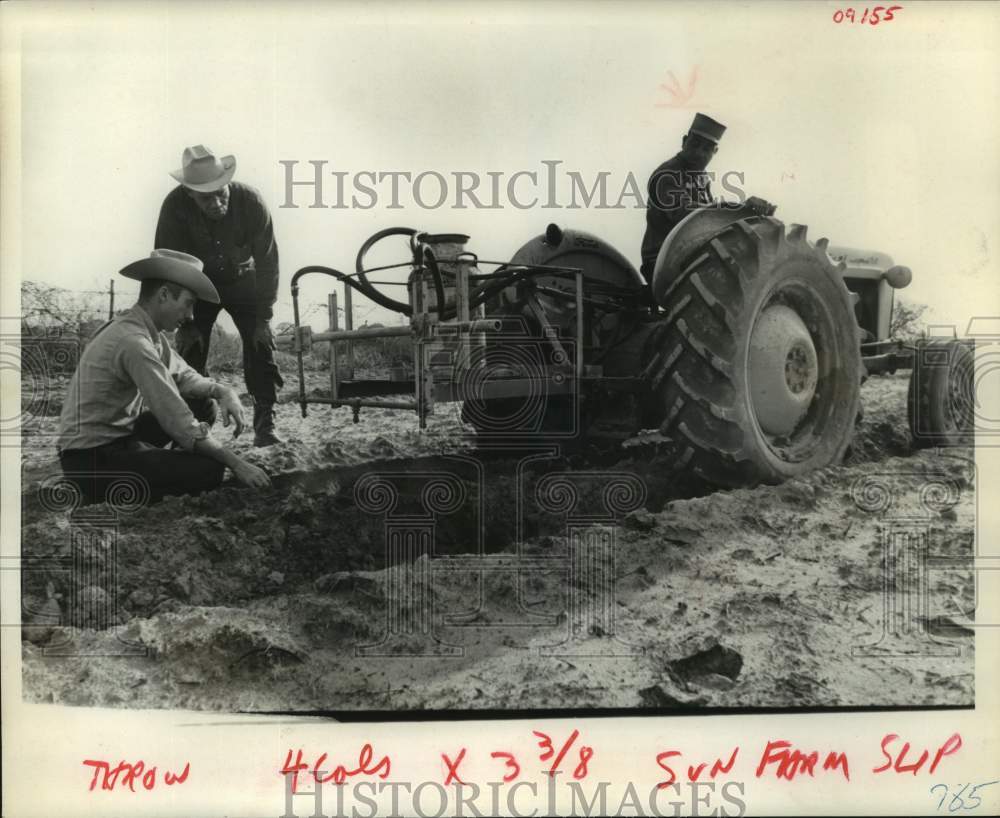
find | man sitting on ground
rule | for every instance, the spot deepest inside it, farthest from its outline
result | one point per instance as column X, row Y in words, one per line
column 132, row 394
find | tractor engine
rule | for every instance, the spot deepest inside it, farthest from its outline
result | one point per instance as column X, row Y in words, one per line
column 613, row 290
column 614, row 315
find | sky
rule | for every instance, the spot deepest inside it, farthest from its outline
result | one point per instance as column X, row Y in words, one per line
column 880, row 137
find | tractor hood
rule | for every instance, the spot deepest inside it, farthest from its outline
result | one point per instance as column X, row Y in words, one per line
column 872, row 265
column 861, row 263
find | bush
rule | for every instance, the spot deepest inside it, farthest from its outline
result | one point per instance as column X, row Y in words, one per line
column 225, row 351
column 370, row 354
column 907, row 320
column 383, row 353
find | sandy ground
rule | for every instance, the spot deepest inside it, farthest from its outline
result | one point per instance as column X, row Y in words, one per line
column 281, row 600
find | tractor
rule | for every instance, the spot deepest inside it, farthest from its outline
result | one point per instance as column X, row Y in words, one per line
column 744, row 354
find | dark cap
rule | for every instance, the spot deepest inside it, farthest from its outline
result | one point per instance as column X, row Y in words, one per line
column 707, row 127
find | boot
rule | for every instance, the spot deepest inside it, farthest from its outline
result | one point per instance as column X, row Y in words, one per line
column 263, row 425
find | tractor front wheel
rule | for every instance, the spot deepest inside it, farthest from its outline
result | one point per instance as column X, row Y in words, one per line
column 940, row 401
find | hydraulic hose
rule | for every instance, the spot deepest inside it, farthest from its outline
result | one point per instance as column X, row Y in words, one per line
column 367, row 291
column 445, row 311
column 359, row 268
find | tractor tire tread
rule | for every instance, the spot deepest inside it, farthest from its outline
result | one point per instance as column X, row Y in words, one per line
column 701, row 400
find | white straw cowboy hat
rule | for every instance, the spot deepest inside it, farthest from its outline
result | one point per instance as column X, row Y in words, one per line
column 203, row 171
column 176, row 267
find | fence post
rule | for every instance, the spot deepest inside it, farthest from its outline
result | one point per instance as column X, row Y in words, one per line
column 349, row 324
column 111, row 305
column 331, row 307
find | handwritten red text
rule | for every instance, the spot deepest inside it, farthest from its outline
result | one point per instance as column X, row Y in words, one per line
column 694, row 772
column 366, row 766
column 125, row 775
column 870, row 16
column 898, row 763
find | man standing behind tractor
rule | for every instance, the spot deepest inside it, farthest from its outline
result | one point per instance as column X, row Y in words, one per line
column 227, row 225
column 680, row 186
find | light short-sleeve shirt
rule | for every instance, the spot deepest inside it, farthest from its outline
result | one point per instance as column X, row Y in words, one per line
column 129, row 367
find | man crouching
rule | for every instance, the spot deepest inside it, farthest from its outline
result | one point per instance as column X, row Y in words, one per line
column 132, row 394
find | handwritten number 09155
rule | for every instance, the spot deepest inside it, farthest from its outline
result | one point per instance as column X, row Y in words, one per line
column 872, row 16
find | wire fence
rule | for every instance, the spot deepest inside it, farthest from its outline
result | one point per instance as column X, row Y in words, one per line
column 49, row 310
column 52, row 314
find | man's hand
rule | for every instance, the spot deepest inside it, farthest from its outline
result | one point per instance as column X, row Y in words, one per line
column 230, row 407
column 251, row 476
column 248, row 475
column 761, row 207
column 187, row 339
column 262, row 335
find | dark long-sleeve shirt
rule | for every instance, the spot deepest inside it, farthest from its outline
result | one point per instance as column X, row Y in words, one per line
column 241, row 244
column 675, row 190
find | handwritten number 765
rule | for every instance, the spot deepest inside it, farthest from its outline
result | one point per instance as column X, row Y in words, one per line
column 957, row 802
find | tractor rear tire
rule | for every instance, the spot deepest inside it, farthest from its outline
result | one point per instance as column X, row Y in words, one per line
column 756, row 369
column 940, row 401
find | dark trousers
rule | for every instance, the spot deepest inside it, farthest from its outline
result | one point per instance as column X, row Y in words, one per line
column 137, row 466
column 259, row 370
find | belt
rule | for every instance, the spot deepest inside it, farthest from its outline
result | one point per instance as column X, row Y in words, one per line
column 223, row 279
